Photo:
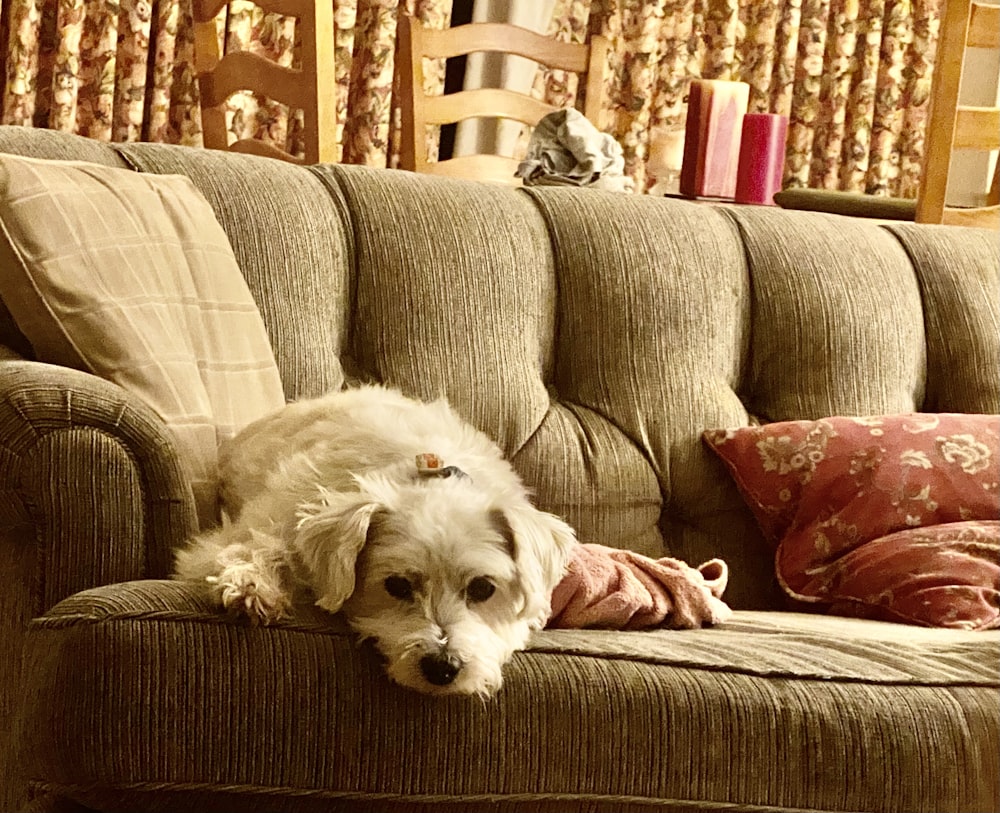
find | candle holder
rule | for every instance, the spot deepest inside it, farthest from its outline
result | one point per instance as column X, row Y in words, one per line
column 666, row 156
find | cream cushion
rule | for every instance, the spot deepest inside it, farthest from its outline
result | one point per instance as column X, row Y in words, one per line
column 130, row 277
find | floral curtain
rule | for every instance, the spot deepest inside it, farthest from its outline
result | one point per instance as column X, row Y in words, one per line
column 852, row 75
column 114, row 71
column 122, row 70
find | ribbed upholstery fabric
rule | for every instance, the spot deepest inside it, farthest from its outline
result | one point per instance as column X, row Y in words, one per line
column 653, row 326
column 594, row 336
column 58, row 146
column 454, row 295
column 91, row 492
column 960, row 290
column 832, row 299
column 778, row 710
column 119, row 518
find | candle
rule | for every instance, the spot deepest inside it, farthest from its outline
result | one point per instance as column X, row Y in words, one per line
column 712, row 137
column 762, row 158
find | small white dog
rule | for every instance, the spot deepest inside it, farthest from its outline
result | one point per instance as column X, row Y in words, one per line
column 398, row 513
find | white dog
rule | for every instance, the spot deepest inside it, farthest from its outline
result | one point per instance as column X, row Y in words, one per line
column 396, row 512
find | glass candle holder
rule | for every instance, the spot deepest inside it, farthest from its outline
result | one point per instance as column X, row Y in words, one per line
column 666, row 156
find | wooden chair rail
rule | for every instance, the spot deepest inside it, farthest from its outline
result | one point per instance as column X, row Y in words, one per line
column 252, row 146
column 508, row 39
column 977, row 128
column 984, row 26
column 985, row 218
column 484, row 102
column 490, row 168
column 243, row 70
column 954, row 126
column 311, row 88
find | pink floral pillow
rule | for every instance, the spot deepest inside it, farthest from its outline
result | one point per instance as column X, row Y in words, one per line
column 891, row 517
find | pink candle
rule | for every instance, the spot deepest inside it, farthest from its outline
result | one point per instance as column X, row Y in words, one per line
column 712, row 138
column 762, row 158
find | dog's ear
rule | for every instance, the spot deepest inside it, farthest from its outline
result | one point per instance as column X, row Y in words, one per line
column 541, row 546
column 330, row 534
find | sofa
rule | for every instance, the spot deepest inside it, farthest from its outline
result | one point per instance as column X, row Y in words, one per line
column 596, row 337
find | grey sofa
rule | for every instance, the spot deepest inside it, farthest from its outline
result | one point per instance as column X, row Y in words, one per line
column 594, row 336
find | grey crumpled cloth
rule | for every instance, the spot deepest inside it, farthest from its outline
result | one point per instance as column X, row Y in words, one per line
column 565, row 149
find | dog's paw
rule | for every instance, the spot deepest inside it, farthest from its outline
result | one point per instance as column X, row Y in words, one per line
column 241, row 589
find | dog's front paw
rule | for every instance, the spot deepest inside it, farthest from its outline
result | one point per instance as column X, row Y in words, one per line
column 241, row 589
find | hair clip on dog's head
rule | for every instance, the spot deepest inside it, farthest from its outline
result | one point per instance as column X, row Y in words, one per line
column 430, row 465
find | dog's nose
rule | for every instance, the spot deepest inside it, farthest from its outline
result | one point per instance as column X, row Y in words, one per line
column 441, row 669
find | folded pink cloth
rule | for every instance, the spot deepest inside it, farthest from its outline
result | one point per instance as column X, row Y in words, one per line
column 621, row 589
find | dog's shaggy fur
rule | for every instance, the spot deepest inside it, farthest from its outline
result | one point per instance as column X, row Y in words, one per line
column 446, row 574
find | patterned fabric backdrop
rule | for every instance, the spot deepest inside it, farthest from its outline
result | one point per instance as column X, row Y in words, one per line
column 852, row 75
column 122, row 70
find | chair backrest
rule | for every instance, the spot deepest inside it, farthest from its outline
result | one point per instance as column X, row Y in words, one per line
column 416, row 42
column 953, row 126
column 310, row 88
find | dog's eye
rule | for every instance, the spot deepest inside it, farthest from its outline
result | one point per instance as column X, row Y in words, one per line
column 480, row 589
column 399, row 587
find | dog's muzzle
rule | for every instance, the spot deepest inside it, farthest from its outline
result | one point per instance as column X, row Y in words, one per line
column 440, row 669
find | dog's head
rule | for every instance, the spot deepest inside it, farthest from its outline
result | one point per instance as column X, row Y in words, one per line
column 447, row 583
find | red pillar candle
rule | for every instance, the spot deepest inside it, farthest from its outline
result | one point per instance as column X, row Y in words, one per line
column 712, row 137
column 762, row 158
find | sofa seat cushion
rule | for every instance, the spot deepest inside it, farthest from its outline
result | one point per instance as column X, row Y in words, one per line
column 142, row 697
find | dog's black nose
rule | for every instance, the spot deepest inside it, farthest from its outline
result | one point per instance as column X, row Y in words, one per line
column 440, row 669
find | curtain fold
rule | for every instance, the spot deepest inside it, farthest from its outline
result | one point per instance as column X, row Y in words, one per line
column 852, row 75
column 113, row 71
column 371, row 128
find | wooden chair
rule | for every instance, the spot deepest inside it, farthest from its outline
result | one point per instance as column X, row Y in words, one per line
column 953, row 126
column 310, row 88
column 419, row 110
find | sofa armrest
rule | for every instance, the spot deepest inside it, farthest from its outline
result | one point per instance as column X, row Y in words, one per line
column 91, row 486
column 91, row 493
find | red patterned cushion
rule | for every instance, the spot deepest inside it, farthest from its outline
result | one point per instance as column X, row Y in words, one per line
column 942, row 576
column 841, row 497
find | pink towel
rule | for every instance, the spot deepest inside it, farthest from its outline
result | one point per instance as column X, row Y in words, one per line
column 621, row 589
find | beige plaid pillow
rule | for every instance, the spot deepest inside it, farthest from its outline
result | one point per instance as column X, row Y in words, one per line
column 130, row 277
